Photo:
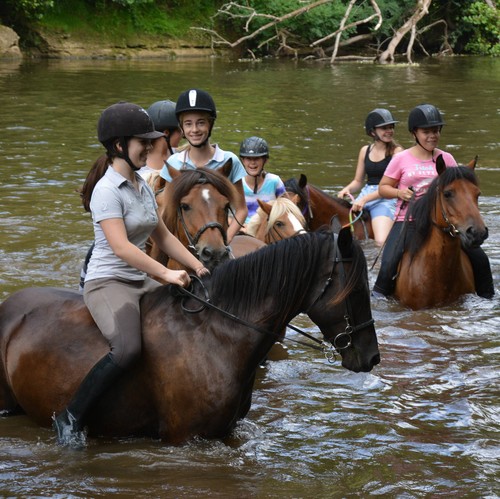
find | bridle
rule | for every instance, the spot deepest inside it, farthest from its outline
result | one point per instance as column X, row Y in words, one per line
column 193, row 240
column 341, row 341
column 450, row 228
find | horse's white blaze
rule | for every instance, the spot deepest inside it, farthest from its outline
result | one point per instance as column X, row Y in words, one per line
column 297, row 226
column 205, row 195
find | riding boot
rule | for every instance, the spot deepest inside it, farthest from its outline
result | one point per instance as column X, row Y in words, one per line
column 69, row 423
column 481, row 269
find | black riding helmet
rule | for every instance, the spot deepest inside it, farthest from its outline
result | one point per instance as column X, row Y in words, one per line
column 424, row 116
column 196, row 100
column 378, row 117
column 122, row 121
column 254, row 147
column 164, row 118
column 163, row 115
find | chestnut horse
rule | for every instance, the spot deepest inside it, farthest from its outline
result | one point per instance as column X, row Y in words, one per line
column 434, row 269
column 319, row 208
column 276, row 220
column 198, row 364
column 195, row 208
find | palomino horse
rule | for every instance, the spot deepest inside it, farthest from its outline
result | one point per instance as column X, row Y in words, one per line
column 195, row 207
column 319, row 208
column 195, row 376
column 434, row 269
column 276, row 220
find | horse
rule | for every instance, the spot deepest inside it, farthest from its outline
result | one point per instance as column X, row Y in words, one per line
column 434, row 269
column 198, row 364
column 195, row 207
column 319, row 208
column 276, row 220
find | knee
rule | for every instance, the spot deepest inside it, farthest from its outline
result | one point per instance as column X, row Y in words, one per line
column 126, row 357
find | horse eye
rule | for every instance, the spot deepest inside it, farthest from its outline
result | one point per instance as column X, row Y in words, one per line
column 184, row 207
column 279, row 224
column 448, row 194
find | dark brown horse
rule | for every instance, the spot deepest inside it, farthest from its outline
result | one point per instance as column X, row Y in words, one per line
column 434, row 269
column 198, row 364
column 319, row 208
column 195, row 208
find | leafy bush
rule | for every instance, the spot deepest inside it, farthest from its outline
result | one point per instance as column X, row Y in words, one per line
column 484, row 23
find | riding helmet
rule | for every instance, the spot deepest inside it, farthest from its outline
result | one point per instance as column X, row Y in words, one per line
column 254, row 147
column 195, row 100
column 378, row 117
column 424, row 116
column 163, row 115
column 125, row 119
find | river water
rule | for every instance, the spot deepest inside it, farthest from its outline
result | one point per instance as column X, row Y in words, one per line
column 424, row 423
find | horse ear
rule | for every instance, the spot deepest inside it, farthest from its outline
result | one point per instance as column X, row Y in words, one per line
column 440, row 164
column 473, row 163
column 173, row 172
column 226, row 168
column 266, row 207
column 302, row 181
column 345, row 241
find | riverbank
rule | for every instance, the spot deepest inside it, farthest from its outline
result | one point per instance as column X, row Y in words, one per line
column 59, row 45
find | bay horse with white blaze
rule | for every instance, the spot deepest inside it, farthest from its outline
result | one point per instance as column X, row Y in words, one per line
column 434, row 269
column 195, row 206
column 198, row 363
column 319, row 208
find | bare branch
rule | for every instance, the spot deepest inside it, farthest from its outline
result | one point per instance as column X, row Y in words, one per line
column 421, row 10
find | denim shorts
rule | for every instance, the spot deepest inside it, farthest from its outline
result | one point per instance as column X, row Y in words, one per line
column 378, row 207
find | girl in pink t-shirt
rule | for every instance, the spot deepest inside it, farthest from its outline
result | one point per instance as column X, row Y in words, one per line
column 408, row 175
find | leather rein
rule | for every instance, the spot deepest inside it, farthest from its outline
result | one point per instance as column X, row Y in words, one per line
column 342, row 341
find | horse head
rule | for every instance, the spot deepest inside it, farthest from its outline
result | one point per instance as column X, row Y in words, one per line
column 456, row 193
column 276, row 220
column 197, row 203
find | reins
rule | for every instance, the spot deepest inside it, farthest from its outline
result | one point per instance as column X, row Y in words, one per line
column 328, row 348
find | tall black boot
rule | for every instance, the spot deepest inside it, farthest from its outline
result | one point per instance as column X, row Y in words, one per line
column 69, row 423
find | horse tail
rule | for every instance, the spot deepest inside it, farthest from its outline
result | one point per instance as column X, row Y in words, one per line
column 8, row 402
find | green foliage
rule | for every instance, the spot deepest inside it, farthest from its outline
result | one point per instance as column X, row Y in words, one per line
column 27, row 9
column 484, row 23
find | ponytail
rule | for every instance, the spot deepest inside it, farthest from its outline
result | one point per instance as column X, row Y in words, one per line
column 95, row 174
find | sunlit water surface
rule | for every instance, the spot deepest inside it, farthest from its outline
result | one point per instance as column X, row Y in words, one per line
column 424, row 423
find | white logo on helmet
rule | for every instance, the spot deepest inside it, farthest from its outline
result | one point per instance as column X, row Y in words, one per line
column 192, row 98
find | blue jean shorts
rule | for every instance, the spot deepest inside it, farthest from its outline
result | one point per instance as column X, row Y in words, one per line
column 378, row 207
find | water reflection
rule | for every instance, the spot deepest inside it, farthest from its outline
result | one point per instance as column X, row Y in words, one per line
column 423, row 423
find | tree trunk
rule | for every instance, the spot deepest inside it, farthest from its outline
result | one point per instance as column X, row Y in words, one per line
column 421, row 10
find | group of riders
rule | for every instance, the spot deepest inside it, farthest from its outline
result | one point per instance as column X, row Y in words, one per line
column 140, row 143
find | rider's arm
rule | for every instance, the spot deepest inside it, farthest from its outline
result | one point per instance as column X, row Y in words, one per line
column 359, row 177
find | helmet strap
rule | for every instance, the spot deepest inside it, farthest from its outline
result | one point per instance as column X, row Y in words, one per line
column 419, row 144
column 124, row 154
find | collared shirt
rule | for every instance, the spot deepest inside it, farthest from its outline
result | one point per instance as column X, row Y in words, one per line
column 116, row 197
column 181, row 160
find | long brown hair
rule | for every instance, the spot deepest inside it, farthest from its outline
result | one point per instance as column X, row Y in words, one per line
column 95, row 174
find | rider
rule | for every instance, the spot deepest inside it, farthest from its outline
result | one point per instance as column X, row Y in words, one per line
column 124, row 214
column 163, row 115
column 372, row 162
column 408, row 176
column 196, row 113
column 258, row 184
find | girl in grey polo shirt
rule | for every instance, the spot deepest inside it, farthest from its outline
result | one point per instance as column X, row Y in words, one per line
column 124, row 214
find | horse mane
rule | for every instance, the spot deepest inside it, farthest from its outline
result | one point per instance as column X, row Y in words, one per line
column 291, row 262
column 182, row 185
column 421, row 211
column 280, row 206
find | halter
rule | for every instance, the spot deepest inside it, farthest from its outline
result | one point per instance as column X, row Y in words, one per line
column 450, row 228
column 340, row 342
